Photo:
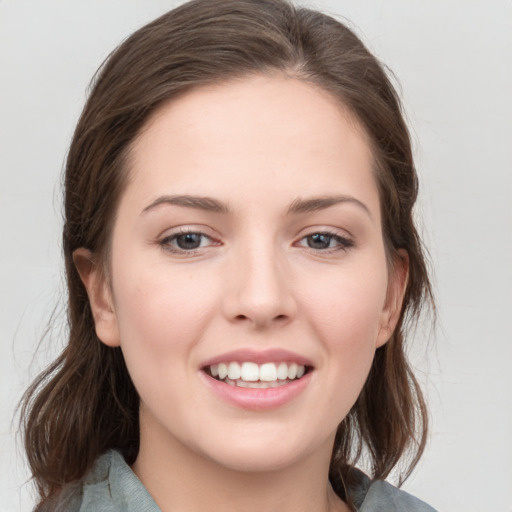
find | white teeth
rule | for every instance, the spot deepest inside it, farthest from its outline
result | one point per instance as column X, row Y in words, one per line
column 282, row 371
column 292, row 371
column 234, row 371
column 252, row 373
column 268, row 372
column 256, row 385
column 223, row 371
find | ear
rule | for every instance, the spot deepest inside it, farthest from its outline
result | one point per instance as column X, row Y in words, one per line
column 397, row 285
column 100, row 296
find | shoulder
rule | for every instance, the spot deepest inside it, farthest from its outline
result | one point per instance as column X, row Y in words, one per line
column 383, row 496
column 378, row 496
column 110, row 486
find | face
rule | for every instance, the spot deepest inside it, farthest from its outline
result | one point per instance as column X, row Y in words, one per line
column 248, row 241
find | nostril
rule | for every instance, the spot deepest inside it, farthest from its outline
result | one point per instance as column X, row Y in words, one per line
column 277, row 318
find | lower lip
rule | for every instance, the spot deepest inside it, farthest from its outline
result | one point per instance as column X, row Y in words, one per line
column 257, row 399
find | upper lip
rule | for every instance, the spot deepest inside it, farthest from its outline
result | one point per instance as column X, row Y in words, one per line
column 259, row 357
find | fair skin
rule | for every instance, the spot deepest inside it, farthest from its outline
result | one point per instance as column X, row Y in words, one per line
column 284, row 263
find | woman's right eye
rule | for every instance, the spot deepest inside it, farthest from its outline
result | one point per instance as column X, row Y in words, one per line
column 186, row 241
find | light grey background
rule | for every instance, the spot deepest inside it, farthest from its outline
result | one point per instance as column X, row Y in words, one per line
column 453, row 60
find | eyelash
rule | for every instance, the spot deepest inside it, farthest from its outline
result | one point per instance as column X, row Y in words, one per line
column 167, row 243
column 343, row 243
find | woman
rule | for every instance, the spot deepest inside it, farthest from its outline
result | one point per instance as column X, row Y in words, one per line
column 241, row 261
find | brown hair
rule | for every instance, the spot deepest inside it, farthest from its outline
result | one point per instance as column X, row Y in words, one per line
column 85, row 402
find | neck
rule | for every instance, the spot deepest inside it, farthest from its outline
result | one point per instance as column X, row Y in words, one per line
column 181, row 480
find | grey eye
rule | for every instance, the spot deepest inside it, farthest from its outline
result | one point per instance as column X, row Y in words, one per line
column 188, row 241
column 323, row 241
column 319, row 241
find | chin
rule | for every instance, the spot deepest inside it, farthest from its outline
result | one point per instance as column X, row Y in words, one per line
column 260, row 453
column 260, row 461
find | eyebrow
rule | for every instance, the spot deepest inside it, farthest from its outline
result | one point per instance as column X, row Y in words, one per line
column 298, row 206
column 321, row 203
column 201, row 203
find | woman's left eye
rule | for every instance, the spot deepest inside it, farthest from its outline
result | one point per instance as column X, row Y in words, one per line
column 189, row 241
column 325, row 241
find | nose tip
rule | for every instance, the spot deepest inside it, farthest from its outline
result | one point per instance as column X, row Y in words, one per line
column 260, row 295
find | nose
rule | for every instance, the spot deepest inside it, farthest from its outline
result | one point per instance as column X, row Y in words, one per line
column 259, row 290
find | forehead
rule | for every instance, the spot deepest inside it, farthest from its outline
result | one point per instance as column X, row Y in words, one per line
column 253, row 133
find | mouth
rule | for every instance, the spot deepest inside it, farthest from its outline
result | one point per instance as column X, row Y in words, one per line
column 248, row 374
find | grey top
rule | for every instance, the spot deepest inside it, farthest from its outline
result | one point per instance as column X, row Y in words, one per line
column 111, row 486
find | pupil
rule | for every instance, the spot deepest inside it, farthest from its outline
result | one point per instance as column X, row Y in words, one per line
column 319, row 241
column 189, row 241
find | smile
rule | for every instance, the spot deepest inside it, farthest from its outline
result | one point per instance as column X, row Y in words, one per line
column 258, row 380
column 252, row 375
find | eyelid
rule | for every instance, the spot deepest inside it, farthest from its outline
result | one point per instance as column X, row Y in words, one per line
column 184, row 229
column 345, row 240
column 165, row 239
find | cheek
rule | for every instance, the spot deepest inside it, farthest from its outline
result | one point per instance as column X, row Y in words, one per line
column 161, row 317
column 346, row 320
column 346, row 311
column 350, row 302
column 160, row 313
